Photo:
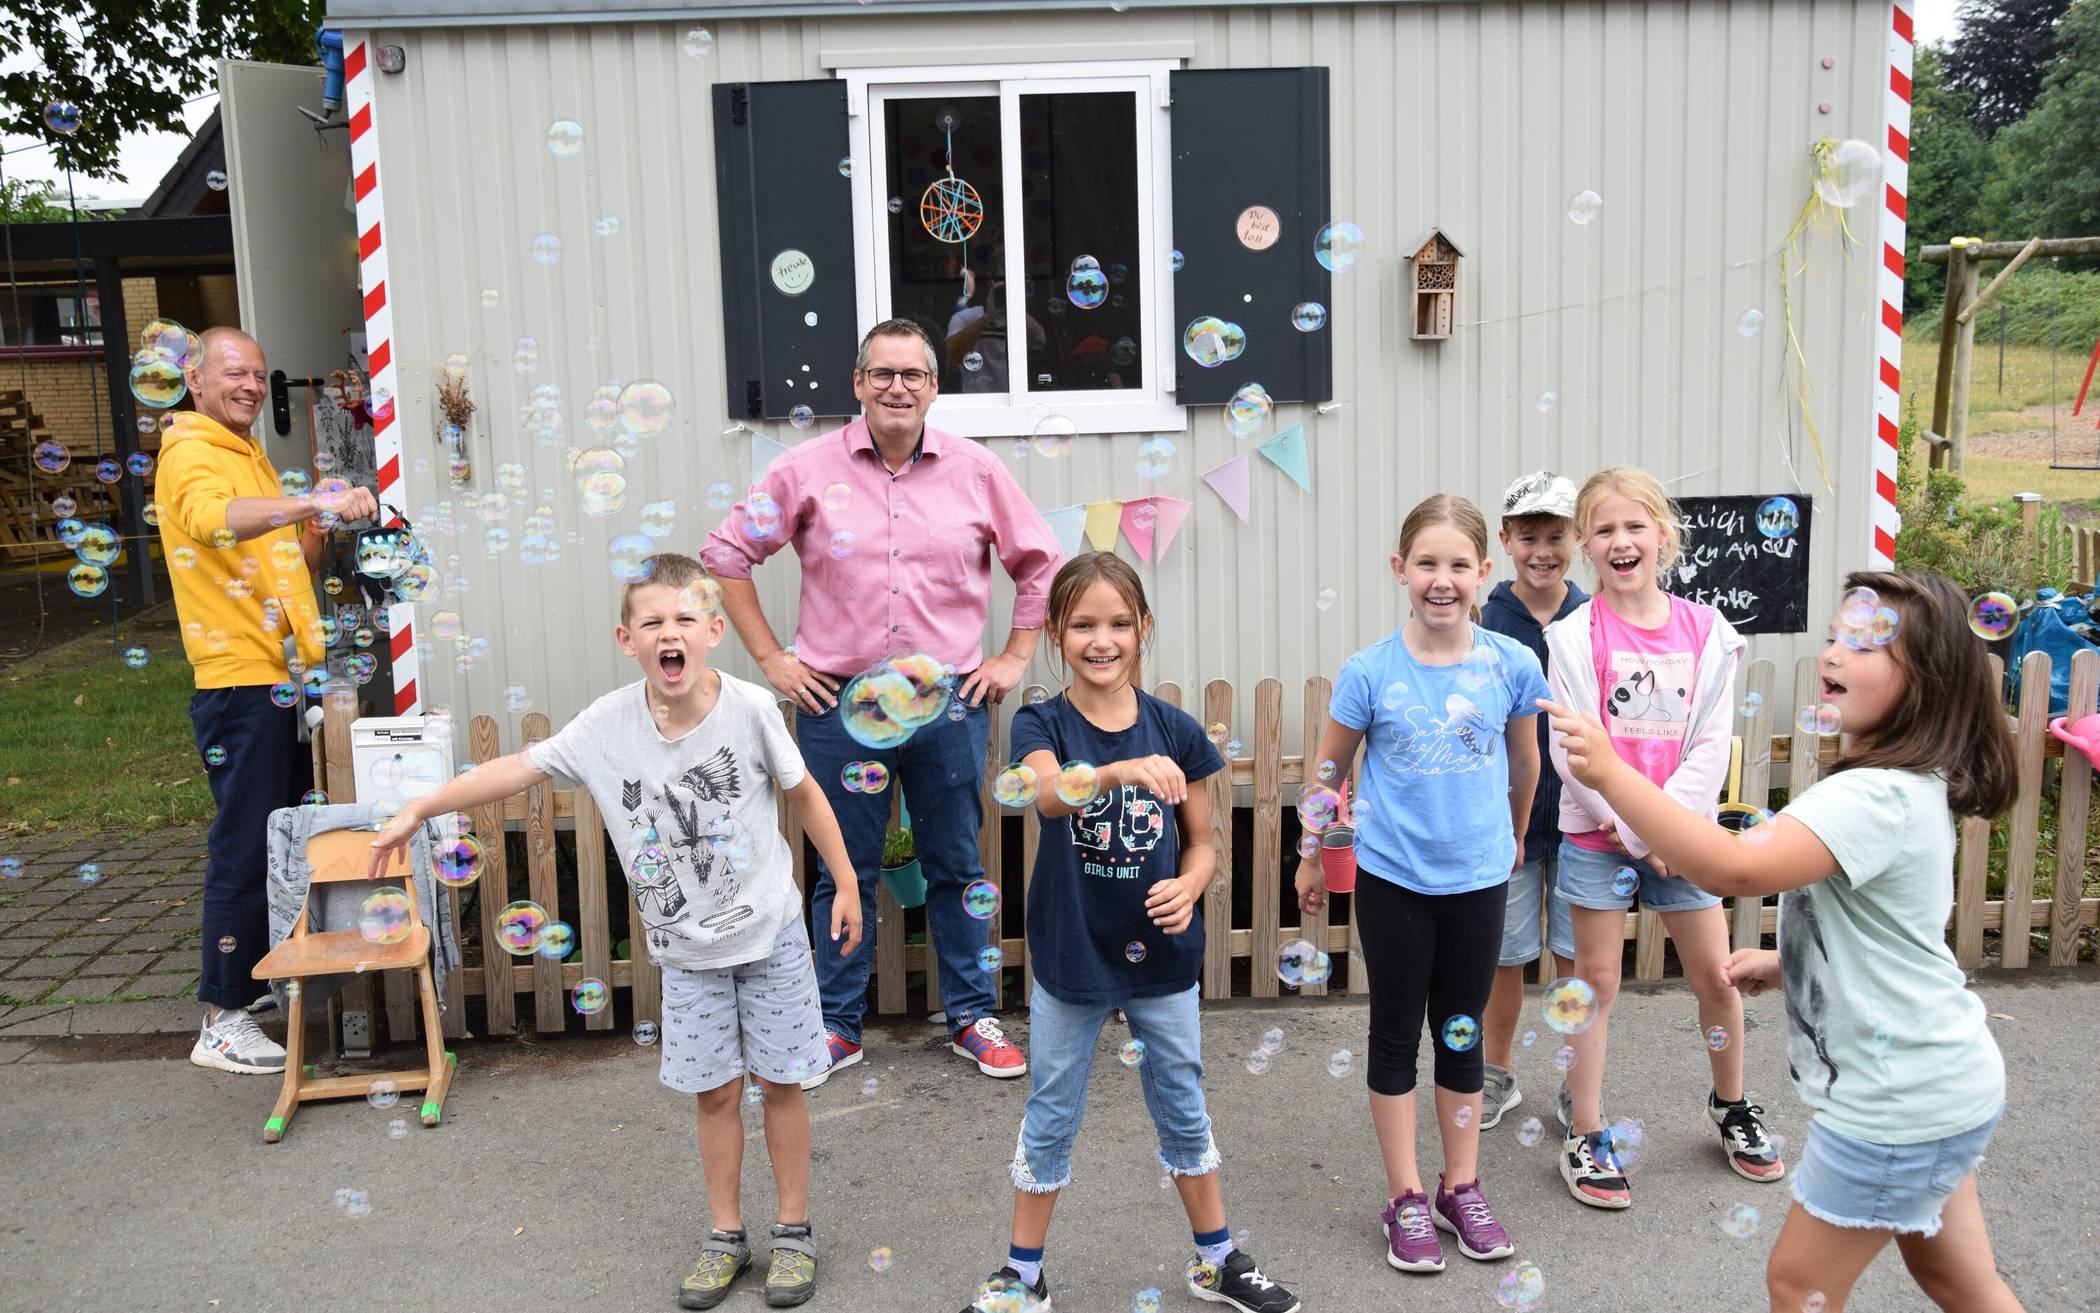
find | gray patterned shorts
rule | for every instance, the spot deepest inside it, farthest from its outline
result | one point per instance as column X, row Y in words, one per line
column 762, row 1017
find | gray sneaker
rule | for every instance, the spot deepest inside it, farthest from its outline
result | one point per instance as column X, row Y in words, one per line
column 235, row 1043
column 1498, row 1094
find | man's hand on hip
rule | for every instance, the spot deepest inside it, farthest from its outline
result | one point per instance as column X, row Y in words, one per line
column 810, row 691
column 993, row 680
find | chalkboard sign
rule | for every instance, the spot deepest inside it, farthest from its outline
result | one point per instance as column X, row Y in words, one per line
column 1747, row 557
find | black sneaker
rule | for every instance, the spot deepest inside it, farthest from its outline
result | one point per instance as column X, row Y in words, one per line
column 1004, row 1289
column 1593, row 1177
column 1743, row 1139
column 1238, row 1281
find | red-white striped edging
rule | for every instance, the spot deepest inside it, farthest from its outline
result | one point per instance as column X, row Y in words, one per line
column 379, row 338
column 1888, row 334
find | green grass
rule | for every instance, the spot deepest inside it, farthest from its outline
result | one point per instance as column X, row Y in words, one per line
column 89, row 745
column 2027, row 381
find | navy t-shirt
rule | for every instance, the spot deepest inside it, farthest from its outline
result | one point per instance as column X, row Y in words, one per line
column 1094, row 870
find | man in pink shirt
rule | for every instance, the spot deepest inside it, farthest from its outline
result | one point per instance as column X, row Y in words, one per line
column 895, row 523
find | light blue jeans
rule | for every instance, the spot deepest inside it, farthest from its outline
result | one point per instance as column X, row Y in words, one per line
column 1062, row 1038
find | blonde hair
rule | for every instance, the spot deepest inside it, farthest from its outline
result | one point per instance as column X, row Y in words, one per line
column 668, row 569
column 1644, row 490
column 1445, row 508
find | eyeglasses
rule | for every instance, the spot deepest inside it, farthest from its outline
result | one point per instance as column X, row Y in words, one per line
column 912, row 379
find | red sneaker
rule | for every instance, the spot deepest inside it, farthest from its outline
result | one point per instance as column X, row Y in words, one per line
column 844, row 1053
column 987, row 1046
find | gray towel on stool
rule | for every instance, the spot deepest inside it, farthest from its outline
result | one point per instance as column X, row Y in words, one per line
column 338, row 905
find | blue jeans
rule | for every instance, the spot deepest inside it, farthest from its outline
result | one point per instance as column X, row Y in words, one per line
column 941, row 770
column 1061, row 1041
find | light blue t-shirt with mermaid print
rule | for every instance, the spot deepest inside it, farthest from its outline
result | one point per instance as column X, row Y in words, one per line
column 1432, row 802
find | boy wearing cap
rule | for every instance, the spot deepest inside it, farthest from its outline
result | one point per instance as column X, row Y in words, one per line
column 1538, row 532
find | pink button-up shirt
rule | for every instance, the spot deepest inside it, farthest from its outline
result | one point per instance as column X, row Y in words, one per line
column 915, row 575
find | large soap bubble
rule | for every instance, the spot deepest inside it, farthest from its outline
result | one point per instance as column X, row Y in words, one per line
column 1846, row 175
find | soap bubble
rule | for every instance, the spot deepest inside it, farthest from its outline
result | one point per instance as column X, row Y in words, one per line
column 1308, row 846
column 1247, row 413
column 1523, row 1286
column 1814, row 1302
column 107, row 470
column 89, row 873
column 1155, row 458
column 841, row 545
column 139, row 463
column 1828, row 720
column 990, row 958
column 1077, row 783
column 1015, row 786
column 1319, row 807
column 51, row 456
column 62, row 117
column 1086, row 286
column 1326, row 599
column 1717, row 1038
column 874, row 777
column 1147, row 1300
column 1132, row 1053
column 98, row 545
column 1053, row 436
column 157, row 382
column 1530, row 1132
column 1258, row 1062
column 879, row 1259
column 384, row 917
column 645, row 407
column 1337, row 244
column 1004, row 1294
column 1993, row 616
column 1461, row 1033
column 699, row 42
column 645, row 1033
column 1134, row 951
column 1211, row 341
column 1583, row 206
column 591, row 996
column 1740, row 1221
column 1752, row 703
column 720, row 496
column 802, row 417
column 1624, row 881
column 565, row 138
column 1750, row 322
column 981, row 899
column 1847, row 175
column 1462, row 1116
column 518, row 927
column 1300, row 963
column 1339, row 1062
column 555, row 941
column 1308, row 316
column 1883, row 630
column 136, row 657
column 973, row 361
column 383, row 1094
column 1570, row 1005
column 546, row 248
column 1778, row 517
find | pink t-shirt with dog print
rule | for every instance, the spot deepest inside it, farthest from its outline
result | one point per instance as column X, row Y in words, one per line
column 1645, row 682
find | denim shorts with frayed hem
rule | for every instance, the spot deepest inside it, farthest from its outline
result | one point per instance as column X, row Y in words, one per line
column 1885, row 1187
column 1584, row 877
column 1528, row 888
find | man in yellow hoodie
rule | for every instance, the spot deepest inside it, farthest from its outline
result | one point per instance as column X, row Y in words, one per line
column 240, row 556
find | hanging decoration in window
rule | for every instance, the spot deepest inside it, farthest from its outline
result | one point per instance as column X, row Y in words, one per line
column 951, row 210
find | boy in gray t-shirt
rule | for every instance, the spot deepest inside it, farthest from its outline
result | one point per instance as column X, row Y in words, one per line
column 687, row 766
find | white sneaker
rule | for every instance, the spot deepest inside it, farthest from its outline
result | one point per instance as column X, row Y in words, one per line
column 235, row 1043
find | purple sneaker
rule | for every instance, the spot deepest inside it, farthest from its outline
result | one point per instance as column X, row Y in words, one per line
column 1464, row 1212
column 1411, row 1242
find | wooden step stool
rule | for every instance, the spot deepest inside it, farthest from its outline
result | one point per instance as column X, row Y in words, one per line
column 339, row 856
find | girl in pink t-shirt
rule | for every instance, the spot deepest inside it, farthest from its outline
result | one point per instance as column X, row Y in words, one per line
column 1659, row 672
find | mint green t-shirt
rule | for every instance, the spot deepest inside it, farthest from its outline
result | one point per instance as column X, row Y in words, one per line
column 1885, row 1042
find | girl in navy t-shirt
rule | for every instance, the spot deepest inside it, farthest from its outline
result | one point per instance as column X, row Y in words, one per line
column 1112, row 923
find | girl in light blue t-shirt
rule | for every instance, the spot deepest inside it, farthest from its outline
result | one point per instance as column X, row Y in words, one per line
column 1884, row 1040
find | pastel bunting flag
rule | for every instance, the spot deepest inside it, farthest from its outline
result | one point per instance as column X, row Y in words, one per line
column 1229, row 481
column 1286, row 451
column 764, row 451
column 1068, row 523
column 1151, row 522
column 1102, row 520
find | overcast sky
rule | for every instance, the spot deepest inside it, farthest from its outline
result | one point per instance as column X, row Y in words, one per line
column 148, row 155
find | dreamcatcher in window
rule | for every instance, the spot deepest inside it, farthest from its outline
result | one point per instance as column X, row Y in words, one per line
column 950, row 210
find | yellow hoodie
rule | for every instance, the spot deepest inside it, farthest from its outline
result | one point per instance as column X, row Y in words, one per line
column 238, row 600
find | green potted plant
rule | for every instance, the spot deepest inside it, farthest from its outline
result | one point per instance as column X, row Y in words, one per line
column 900, row 868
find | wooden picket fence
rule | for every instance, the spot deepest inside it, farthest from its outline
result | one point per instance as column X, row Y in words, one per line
column 1260, row 782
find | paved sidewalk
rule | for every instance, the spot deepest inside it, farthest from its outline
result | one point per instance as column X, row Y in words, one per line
column 564, row 1177
column 123, row 932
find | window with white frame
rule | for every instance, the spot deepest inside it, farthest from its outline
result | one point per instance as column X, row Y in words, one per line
column 1021, row 214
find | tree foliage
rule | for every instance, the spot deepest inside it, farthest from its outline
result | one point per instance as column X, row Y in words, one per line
column 2048, row 178
column 1950, row 163
column 1999, row 55
column 130, row 64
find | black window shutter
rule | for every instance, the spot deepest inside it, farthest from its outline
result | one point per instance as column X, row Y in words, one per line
column 777, row 152
column 1221, row 119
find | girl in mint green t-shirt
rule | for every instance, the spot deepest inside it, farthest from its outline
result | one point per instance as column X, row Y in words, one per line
column 1884, row 1040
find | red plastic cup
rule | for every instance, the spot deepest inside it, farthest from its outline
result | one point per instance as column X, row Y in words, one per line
column 1338, row 859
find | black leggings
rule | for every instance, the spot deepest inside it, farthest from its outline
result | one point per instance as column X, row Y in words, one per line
column 1430, row 955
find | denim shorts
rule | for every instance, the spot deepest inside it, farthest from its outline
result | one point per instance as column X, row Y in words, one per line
column 1585, row 880
column 1885, row 1187
column 1531, row 885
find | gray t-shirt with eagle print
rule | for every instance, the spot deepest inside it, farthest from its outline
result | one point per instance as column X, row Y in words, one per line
column 696, row 819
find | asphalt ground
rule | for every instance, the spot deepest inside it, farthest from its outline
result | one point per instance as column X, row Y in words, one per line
column 564, row 1177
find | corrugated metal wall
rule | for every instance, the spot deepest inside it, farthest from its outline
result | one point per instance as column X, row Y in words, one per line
column 1692, row 120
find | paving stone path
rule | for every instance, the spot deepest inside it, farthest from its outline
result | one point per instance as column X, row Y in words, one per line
column 126, row 935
